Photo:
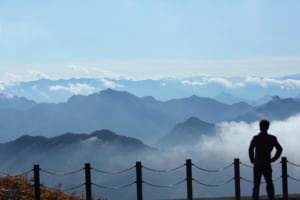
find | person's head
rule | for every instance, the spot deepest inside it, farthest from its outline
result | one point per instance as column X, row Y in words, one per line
column 264, row 125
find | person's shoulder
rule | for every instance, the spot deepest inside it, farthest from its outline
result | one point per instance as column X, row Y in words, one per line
column 272, row 136
column 255, row 137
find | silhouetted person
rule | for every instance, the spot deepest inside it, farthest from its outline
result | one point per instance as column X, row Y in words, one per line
column 260, row 150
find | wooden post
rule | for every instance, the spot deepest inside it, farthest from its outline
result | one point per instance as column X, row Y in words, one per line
column 189, row 179
column 37, row 190
column 284, row 178
column 88, row 181
column 139, row 180
column 237, row 179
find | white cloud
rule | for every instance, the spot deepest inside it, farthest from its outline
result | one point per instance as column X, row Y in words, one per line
column 226, row 83
column 192, row 83
column 266, row 82
column 39, row 92
column 110, row 84
column 230, row 142
column 247, row 81
column 233, row 139
column 38, row 75
column 2, row 87
column 216, row 80
column 79, row 69
column 77, row 88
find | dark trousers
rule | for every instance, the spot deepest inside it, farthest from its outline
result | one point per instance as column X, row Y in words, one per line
column 266, row 171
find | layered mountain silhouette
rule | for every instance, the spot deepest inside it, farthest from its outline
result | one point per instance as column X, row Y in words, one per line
column 228, row 98
column 68, row 150
column 144, row 118
column 276, row 109
column 187, row 133
column 16, row 103
column 248, row 88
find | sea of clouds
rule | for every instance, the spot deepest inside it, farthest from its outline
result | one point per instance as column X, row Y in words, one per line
column 219, row 150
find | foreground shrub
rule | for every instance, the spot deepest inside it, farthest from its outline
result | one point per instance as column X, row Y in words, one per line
column 21, row 188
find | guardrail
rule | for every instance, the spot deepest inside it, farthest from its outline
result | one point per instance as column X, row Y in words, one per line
column 139, row 181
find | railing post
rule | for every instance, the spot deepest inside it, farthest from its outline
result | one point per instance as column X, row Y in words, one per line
column 88, row 181
column 284, row 178
column 139, row 180
column 189, row 179
column 237, row 179
column 37, row 191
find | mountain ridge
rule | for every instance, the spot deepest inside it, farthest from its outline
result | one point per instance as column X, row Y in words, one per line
column 276, row 109
column 119, row 111
column 187, row 133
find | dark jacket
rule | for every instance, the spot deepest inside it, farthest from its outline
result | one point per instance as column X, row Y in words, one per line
column 261, row 147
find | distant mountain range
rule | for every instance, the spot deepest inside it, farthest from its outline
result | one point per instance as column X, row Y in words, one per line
column 178, row 122
column 227, row 90
column 144, row 118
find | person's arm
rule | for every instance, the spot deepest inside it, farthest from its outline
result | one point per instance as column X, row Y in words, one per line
column 251, row 151
column 278, row 151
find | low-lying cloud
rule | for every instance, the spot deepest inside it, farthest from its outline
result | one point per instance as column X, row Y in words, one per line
column 1, row 87
column 75, row 88
column 110, row 84
column 244, row 82
column 266, row 82
column 212, row 152
column 233, row 139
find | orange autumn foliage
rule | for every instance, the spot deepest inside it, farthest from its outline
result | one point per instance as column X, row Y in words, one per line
column 21, row 188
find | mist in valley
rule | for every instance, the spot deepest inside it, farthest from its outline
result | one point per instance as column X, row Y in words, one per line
column 211, row 152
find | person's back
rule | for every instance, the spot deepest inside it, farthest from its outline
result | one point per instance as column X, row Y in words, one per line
column 264, row 144
column 260, row 150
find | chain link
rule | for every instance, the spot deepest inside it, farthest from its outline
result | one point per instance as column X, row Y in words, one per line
column 164, row 186
column 114, row 188
column 293, row 164
column 113, row 172
column 213, row 185
column 62, row 173
column 163, row 171
column 294, row 179
column 21, row 174
column 212, row 170
column 73, row 188
column 246, row 165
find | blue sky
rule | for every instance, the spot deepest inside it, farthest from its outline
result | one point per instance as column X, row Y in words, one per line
column 149, row 38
